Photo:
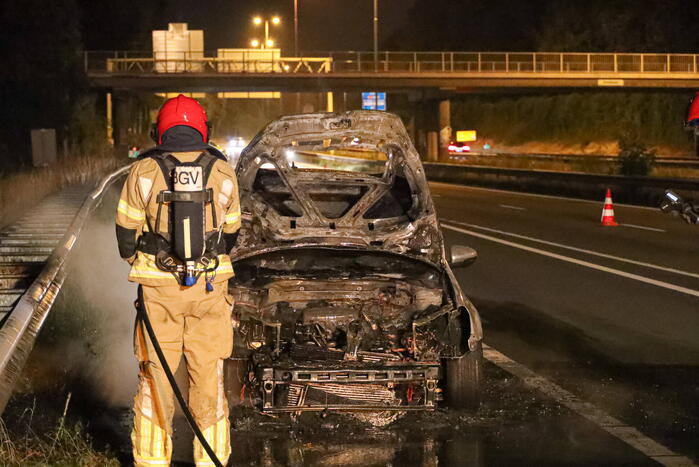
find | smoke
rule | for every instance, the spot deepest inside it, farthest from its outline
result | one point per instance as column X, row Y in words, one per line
column 95, row 316
column 109, row 297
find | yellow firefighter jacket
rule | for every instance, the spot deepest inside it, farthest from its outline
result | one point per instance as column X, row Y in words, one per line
column 137, row 213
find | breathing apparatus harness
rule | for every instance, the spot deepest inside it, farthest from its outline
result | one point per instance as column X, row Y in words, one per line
column 186, row 250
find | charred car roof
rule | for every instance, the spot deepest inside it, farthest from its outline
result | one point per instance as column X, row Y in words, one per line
column 381, row 203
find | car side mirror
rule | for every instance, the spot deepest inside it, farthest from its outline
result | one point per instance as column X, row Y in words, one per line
column 462, row 256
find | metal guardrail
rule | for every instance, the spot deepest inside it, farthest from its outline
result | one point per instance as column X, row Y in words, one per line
column 19, row 331
column 399, row 62
column 667, row 162
column 636, row 190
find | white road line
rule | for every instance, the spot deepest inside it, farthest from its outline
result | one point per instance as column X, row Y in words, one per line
column 536, row 195
column 628, row 434
column 516, row 208
column 568, row 259
column 642, row 227
column 580, row 250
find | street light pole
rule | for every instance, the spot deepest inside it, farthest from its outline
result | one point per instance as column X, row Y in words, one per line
column 296, row 28
column 257, row 21
column 376, row 35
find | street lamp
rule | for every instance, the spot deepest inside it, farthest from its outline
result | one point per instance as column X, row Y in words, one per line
column 296, row 28
column 268, row 42
column 376, row 35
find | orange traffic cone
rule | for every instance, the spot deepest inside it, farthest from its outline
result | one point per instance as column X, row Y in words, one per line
column 608, row 211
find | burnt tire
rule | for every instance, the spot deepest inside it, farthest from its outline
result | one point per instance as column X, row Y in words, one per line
column 463, row 380
column 235, row 377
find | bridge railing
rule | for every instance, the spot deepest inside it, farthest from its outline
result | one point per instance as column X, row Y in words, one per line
column 395, row 62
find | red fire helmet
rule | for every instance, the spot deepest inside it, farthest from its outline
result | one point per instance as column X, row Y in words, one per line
column 182, row 110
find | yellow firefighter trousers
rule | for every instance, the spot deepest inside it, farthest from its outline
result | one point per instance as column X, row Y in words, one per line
column 189, row 322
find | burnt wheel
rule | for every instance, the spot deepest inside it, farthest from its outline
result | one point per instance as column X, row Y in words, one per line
column 463, row 380
column 235, row 376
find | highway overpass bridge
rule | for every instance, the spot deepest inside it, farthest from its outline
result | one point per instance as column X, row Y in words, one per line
column 448, row 72
column 426, row 80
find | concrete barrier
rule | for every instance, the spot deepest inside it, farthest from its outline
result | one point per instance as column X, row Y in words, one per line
column 633, row 190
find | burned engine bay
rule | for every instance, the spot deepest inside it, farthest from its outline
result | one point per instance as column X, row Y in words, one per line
column 321, row 316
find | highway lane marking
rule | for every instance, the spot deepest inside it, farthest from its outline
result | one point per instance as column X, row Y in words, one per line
column 536, row 195
column 615, row 427
column 509, row 206
column 568, row 259
column 642, row 227
column 579, row 250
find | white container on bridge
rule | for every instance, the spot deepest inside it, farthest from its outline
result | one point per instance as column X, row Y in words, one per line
column 178, row 49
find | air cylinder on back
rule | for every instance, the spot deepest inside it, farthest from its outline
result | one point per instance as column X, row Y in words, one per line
column 188, row 213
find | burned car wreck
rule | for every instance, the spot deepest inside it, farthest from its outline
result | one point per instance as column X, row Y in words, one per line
column 344, row 297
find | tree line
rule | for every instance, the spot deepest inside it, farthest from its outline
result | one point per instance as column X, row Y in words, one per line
column 653, row 118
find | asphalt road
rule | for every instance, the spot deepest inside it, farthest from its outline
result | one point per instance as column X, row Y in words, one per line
column 581, row 328
column 608, row 313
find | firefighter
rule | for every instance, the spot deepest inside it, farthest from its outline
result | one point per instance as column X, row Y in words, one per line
column 186, row 300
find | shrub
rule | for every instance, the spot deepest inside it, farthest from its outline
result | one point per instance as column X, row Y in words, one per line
column 635, row 158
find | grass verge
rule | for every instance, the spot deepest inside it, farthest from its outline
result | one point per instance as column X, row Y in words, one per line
column 21, row 190
column 35, row 441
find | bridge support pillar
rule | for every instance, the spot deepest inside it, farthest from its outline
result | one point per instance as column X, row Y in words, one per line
column 329, row 102
column 444, row 129
column 430, row 126
column 124, row 112
column 109, row 119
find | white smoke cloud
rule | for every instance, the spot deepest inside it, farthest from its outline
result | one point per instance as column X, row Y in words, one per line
column 102, row 302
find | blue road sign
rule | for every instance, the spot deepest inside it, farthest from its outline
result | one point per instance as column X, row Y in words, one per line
column 373, row 101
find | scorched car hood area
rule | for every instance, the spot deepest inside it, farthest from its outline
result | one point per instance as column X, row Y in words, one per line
column 385, row 207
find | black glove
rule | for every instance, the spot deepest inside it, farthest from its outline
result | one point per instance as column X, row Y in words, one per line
column 126, row 239
column 230, row 240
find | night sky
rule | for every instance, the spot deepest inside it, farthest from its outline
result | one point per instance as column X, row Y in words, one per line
column 465, row 25
column 323, row 24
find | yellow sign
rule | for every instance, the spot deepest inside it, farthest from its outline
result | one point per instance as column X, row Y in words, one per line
column 466, row 135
